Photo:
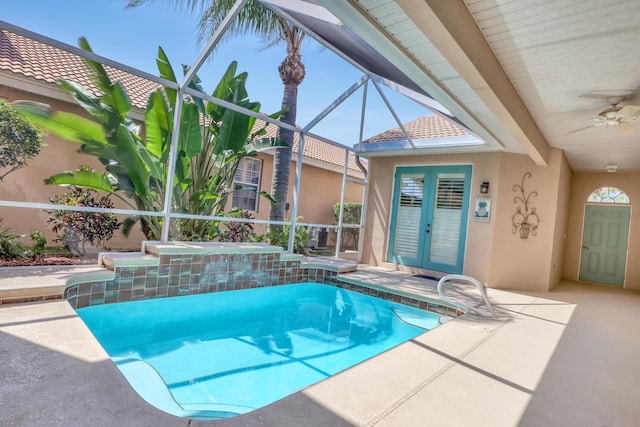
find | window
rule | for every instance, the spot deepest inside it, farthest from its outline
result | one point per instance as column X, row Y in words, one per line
column 248, row 176
column 608, row 195
column 450, row 192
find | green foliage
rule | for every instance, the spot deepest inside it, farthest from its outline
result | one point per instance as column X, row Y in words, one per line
column 39, row 243
column 237, row 231
column 280, row 237
column 351, row 214
column 9, row 245
column 136, row 170
column 81, row 228
column 19, row 140
column 225, row 231
column 257, row 18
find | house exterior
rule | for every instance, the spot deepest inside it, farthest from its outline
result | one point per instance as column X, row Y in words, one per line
column 486, row 227
column 537, row 219
column 29, row 70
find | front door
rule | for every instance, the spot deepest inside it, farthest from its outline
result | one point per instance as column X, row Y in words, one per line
column 604, row 244
column 429, row 217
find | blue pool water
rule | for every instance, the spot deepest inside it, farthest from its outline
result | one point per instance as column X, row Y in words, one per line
column 221, row 354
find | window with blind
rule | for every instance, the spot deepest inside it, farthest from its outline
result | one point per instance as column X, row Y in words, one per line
column 409, row 209
column 247, row 176
column 447, row 218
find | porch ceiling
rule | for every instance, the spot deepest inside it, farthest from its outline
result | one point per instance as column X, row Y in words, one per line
column 519, row 74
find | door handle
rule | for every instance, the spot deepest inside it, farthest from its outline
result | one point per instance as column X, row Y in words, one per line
column 584, row 245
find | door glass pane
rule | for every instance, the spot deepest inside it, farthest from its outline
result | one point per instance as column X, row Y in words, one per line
column 407, row 234
column 447, row 218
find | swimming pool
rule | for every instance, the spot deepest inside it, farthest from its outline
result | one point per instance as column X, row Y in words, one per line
column 221, row 354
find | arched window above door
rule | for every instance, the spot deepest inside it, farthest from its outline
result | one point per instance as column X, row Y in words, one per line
column 608, row 195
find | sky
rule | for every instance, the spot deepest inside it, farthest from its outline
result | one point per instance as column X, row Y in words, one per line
column 132, row 36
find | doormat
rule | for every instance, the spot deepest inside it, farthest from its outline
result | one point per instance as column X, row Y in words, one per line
column 424, row 276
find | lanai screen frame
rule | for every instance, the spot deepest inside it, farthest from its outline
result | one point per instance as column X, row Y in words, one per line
column 182, row 88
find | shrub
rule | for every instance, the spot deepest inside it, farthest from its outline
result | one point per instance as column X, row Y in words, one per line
column 9, row 245
column 237, row 231
column 280, row 237
column 19, row 140
column 217, row 231
column 82, row 228
column 351, row 215
column 39, row 243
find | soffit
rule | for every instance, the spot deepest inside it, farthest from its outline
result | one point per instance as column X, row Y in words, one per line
column 565, row 58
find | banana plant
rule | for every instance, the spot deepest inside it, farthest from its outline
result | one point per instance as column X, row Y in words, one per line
column 212, row 141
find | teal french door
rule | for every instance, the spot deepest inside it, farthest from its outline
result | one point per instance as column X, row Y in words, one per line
column 429, row 217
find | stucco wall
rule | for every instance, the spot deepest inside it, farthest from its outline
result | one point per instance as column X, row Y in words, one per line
column 584, row 184
column 493, row 254
column 320, row 189
column 518, row 263
column 27, row 184
column 379, row 203
column 562, row 220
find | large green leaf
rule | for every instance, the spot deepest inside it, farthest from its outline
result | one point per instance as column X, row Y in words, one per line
column 120, row 99
column 267, row 196
column 194, row 83
column 128, row 223
column 190, row 131
column 152, row 162
column 86, row 99
column 224, row 90
column 157, row 125
column 87, row 179
column 66, row 125
column 124, row 182
column 129, row 157
column 166, row 71
column 100, row 76
column 104, row 152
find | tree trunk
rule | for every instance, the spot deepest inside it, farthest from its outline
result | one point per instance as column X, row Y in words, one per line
column 292, row 73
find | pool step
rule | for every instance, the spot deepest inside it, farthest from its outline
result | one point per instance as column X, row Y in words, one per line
column 127, row 259
column 338, row 265
column 41, row 283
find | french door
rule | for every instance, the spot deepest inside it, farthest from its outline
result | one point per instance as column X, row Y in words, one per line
column 429, row 217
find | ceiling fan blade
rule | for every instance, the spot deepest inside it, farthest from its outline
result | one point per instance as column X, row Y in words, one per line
column 626, row 128
column 581, row 129
column 628, row 110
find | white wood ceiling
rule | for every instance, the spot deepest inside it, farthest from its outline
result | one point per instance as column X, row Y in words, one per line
column 564, row 58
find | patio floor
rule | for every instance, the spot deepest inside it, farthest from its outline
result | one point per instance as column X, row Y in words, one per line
column 570, row 357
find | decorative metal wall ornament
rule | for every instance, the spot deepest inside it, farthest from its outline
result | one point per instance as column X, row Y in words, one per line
column 525, row 220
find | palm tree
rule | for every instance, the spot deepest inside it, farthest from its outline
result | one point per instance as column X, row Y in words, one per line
column 260, row 20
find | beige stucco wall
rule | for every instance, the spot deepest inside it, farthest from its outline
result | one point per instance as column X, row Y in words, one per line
column 379, row 202
column 320, row 189
column 27, row 184
column 562, row 222
column 528, row 264
column 584, row 184
column 493, row 254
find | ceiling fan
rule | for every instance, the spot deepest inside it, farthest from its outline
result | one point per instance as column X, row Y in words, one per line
column 616, row 116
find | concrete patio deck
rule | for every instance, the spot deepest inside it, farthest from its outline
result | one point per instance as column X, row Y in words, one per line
column 570, row 357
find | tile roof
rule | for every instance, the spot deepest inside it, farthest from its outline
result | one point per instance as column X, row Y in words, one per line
column 30, row 58
column 425, row 127
column 319, row 150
